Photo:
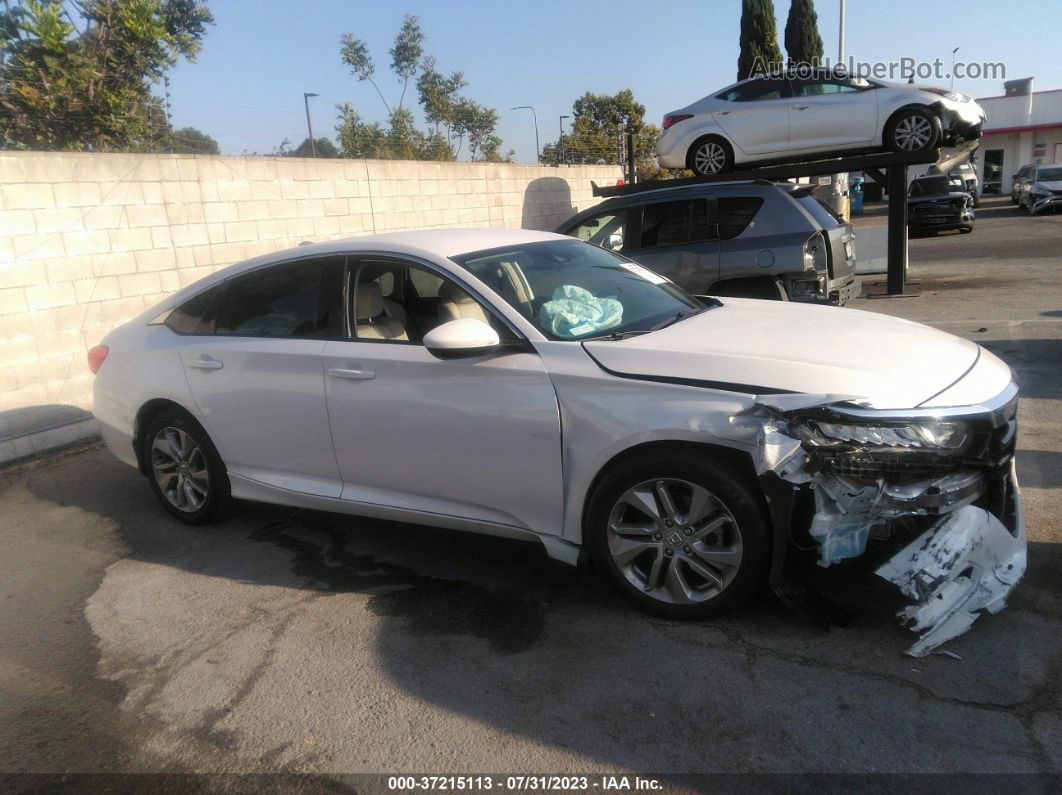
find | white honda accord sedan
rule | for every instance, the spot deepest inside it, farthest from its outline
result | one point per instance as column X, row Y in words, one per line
column 528, row 385
column 770, row 118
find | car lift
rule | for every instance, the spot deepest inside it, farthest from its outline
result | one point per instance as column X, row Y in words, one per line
column 885, row 168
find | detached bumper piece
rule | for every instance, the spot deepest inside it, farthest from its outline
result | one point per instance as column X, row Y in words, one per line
column 1042, row 202
column 966, row 564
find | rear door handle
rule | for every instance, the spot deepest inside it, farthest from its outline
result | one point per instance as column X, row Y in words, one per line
column 351, row 375
column 205, row 363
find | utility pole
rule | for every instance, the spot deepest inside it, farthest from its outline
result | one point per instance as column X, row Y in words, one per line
column 538, row 151
column 560, row 141
column 169, row 124
column 840, row 38
column 839, row 188
column 309, row 127
column 953, row 67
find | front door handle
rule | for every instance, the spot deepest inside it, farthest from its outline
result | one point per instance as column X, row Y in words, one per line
column 723, row 112
column 205, row 363
column 351, row 375
column 801, row 107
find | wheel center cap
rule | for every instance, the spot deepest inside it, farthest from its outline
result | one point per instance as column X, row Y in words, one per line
column 673, row 538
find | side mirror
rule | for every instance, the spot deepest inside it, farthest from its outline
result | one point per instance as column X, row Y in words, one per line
column 615, row 241
column 466, row 336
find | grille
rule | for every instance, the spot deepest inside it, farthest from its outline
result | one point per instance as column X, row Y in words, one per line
column 895, row 468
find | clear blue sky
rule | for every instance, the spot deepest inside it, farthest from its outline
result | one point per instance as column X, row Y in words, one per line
column 246, row 87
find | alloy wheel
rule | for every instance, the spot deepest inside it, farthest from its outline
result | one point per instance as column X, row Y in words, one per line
column 180, row 469
column 675, row 541
column 913, row 133
column 709, row 158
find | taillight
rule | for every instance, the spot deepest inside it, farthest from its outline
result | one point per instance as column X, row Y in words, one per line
column 96, row 355
column 669, row 120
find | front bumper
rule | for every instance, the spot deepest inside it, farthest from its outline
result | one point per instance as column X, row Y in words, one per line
column 960, row 219
column 961, row 121
column 966, row 505
column 1041, row 202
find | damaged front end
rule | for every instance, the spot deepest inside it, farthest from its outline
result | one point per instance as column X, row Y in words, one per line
column 947, row 474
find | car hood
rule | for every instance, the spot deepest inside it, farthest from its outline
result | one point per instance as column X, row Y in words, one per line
column 1051, row 185
column 765, row 347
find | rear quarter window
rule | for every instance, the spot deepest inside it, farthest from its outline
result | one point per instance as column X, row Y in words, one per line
column 736, row 213
column 822, row 214
column 187, row 318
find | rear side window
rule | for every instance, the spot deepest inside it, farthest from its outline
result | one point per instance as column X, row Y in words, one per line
column 186, row 318
column 736, row 213
column 299, row 299
column 674, row 223
column 822, row 214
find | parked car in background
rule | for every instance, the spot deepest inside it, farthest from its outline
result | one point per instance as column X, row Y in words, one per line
column 527, row 385
column 749, row 239
column 1021, row 179
column 966, row 175
column 766, row 118
column 938, row 202
column 1042, row 189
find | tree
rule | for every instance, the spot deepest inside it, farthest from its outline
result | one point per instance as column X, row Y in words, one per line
column 803, row 44
column 325, row 148
column 759, row 38
column 90, row 88
column 190, row 141
column 445, row 110
column 598, row 134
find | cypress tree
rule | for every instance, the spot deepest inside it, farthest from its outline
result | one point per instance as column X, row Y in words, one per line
column 759, row 38
column 803, row 44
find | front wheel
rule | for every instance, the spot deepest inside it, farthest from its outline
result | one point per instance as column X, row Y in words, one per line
column 679, row 535
column 912, row 130
column 710, row 155
column 186, row 473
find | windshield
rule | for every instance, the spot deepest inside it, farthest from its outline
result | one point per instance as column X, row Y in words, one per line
column 572, row 290
column 1049, row 174
column 929, row 186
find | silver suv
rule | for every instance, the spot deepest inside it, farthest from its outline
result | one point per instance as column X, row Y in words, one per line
column 748, row 239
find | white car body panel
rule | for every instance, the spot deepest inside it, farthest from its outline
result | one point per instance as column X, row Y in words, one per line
column 835, row 351
column 512, row 443
column 800, row 125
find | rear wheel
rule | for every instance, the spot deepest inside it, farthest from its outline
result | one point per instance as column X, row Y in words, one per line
column 184, row 468
column 710, row 155
column 679, row 535
column 912, row 130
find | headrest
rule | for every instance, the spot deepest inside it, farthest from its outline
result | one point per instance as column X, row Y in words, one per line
column 368, row 301
column 450, row 292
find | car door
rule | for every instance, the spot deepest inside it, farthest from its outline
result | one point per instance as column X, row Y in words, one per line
column 679, row 239
column 256, row 376
column 476, row 438
column 755, row 116
column 832, row 111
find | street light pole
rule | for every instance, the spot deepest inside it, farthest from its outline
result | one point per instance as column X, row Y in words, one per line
column 309, row 127
column 538, row 151
column 840, row 38
column 560, row 141
column 953, row 67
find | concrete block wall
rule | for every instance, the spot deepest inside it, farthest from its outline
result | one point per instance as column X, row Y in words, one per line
column 88, row 241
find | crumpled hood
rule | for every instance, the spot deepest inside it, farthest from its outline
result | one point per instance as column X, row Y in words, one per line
column 1052, row 185
column 762, row 347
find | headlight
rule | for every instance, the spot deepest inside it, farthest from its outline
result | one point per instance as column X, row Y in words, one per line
column 954, row 96
column 921, row 435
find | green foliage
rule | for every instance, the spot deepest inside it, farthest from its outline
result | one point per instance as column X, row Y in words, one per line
column 325, row 148
column 452, row 119
column 190, row 141
column 599, row 125
column 759, row 38
column 803, row 44
column 90, row 88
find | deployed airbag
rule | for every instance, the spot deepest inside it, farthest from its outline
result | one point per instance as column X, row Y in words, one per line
column 575, row 312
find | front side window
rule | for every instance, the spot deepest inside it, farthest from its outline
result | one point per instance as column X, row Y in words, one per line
column 605, row 230
column 572, row 291
column 291, row 300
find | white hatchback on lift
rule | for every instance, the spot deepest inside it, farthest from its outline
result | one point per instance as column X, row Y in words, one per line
column 774, row 118
column 529, row 385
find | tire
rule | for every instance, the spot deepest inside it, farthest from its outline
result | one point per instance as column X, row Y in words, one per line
column 710, row 155
column 661, row 568
column 184, row 469
column 912, row 130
